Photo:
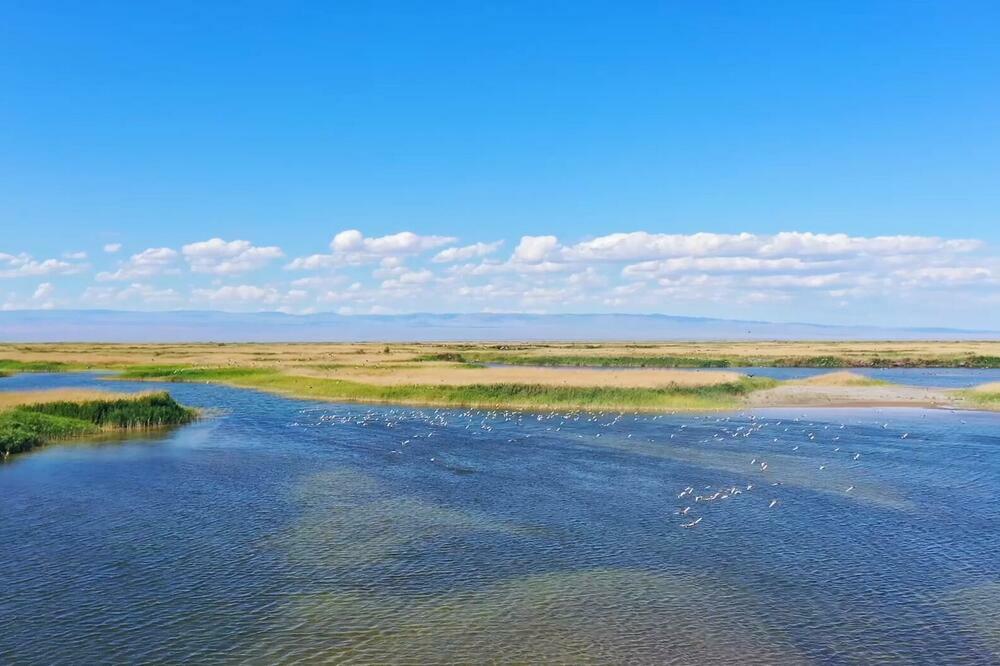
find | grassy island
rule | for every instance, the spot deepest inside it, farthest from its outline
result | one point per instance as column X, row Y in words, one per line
column 40, row 419
column 719, row 395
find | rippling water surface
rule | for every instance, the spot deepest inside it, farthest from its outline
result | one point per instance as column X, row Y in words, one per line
column 284, row 531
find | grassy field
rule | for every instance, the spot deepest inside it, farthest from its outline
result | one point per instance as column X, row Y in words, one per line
column 986, row 396
column 27, row 357
column 871, row 359
column 531, row 375
column 34, row 420
column 516, row 396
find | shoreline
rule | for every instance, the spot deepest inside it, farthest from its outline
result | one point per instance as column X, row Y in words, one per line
column 441, row 375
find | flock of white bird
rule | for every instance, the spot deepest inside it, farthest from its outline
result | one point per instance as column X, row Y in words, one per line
column 426, row 423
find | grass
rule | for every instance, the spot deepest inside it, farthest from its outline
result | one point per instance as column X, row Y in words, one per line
column 517, row 396
column 699, row 361
column 25, row 427
column 841, row 378
column 10, row 366
column 986, row 396
column 580, row 361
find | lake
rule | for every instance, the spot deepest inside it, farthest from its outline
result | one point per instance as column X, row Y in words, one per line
column 947, row 378
column 286, row 531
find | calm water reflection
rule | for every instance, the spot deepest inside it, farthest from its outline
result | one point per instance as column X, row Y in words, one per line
column 284, row 531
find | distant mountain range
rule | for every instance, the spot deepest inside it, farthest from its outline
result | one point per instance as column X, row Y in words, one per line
column 209, row 326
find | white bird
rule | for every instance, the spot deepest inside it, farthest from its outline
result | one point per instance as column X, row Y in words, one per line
column 773, row 504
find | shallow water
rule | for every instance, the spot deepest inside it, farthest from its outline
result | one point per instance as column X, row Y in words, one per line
column 286, row 531
column 950, row 378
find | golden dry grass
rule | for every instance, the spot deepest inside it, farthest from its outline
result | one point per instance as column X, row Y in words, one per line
column 992, row 387
column 366, row 355
column 430, row 375
column 841, row 378
column 16, row 398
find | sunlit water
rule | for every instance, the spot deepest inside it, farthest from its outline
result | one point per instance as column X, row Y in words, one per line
column 285, row 531
column 950, row 378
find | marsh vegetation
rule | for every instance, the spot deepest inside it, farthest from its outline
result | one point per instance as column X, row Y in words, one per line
column 35, row 420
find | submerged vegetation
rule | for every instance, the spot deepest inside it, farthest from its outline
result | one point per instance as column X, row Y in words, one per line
column 522, row 396
column 25, row 427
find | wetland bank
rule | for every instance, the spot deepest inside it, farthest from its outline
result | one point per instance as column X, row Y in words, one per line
column 668, row 376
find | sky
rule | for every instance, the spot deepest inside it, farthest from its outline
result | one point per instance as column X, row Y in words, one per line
column 831, row 162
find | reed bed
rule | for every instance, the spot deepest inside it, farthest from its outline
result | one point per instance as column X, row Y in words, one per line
column 27, row 426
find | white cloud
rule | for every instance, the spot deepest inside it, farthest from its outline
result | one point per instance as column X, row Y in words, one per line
column 111, row 248
column 220, row 257
column 137, row 293
column 405, row 242
column 236, row 294
column 783, row 275
column 75, row 256
column 642, row 245
column 647, row 269
column 24, row 265
column 350, row 240
column 352, row 248
column 409, row 279
column 534, row 249
column 43, row 291
column 314, row 262
column 453, row 254
column 324, row 282
column 797, row 243
column 496, row 268
column 145, row 264
column 945, row 275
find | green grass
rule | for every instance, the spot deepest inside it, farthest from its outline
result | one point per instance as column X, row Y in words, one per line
column 676, row 361
column 182, row 373
column 26, row 427
column 520, row 396
column 581, row 361
column 10, row 366
column 983, row 399
column 867, row 381
column 22, row 430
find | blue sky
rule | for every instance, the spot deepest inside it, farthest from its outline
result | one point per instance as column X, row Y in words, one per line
column 272, row 127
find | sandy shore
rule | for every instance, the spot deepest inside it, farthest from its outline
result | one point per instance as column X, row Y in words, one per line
column 890, row 395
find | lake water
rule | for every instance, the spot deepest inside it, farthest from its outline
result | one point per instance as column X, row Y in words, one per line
column 949, row 378
column 284, row 531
